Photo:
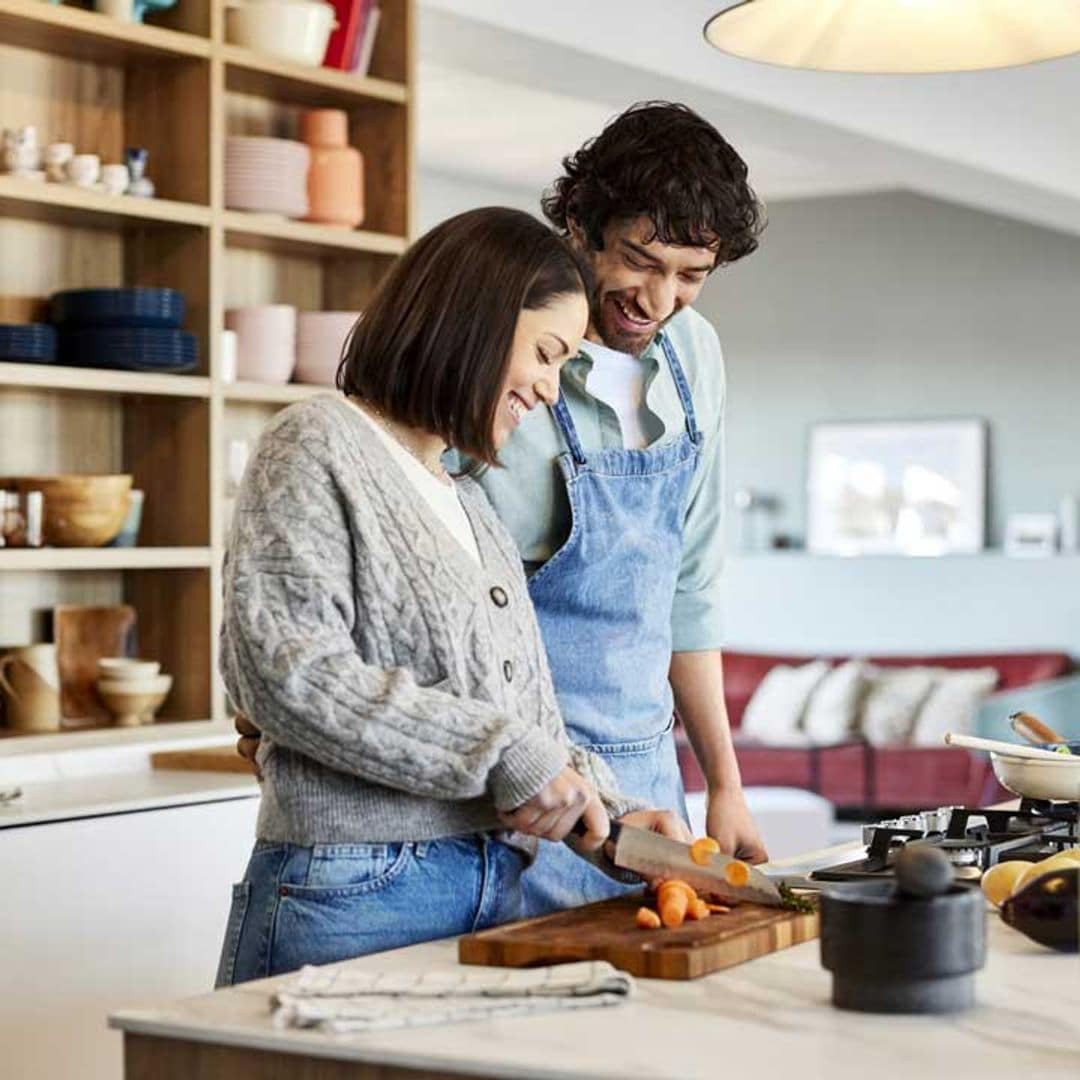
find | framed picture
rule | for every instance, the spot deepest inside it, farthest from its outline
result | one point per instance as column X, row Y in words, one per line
column 897, row 488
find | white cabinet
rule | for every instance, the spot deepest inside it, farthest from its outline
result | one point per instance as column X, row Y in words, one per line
column 102, row 913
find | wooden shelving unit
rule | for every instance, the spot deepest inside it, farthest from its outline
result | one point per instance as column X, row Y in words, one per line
column 177, row 88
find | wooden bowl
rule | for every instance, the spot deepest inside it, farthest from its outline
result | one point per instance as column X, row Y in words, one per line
column 133, row 703
column 80, row 511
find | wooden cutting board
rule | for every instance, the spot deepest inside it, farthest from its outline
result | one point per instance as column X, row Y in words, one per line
column 207, row 759
column 606, row 931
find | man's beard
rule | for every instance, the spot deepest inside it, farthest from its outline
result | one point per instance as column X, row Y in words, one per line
column 613, row 335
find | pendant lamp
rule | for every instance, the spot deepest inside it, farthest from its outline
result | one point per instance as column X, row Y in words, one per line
column 896, row 36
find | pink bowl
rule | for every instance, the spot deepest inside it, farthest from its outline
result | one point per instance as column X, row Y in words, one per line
column 265, row 342
column 320, row 337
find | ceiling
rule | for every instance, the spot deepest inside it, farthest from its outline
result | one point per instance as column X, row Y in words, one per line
column 507, row 88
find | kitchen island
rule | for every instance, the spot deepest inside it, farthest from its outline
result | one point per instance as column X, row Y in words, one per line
column 769, row 1018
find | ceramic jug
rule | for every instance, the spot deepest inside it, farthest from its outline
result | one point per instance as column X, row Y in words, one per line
column 30, row 681
column 336, row 173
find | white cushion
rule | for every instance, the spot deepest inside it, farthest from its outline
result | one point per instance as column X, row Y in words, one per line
column 952, row 704
column 832, row 714
column 774, row 713
column 893, row 698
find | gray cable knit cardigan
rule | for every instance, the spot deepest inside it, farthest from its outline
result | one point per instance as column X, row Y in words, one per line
column 403, row 690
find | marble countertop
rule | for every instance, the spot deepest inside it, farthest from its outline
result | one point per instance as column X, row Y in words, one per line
column 63, row 799
column 771, row 1015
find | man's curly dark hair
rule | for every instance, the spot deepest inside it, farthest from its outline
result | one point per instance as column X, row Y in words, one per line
column 660, row 160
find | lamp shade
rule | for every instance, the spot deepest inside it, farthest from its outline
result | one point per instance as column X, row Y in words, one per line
column 897, row 36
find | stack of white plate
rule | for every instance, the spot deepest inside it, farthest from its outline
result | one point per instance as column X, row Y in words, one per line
column 266, row 175
column 320, row 337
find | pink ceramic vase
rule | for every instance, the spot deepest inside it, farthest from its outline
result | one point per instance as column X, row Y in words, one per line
column 336, row 173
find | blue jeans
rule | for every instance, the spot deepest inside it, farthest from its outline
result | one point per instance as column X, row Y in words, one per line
column 316, row 905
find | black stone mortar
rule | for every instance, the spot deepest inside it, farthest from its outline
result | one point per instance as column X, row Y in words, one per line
column 912, row 947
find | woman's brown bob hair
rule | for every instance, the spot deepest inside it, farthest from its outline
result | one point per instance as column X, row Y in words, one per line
column 432, row 348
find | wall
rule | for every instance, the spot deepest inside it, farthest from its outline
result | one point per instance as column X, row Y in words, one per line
column 895, row 306
column 439, row 196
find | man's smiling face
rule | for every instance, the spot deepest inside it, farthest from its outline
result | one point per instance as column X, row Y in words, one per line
column 641, row 283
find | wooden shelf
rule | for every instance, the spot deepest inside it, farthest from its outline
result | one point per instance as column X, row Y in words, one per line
column 86, row 35
column 132, row 558
column 248, row 72
column 99, row 381
column 63, row 203
column 272, row 392
column 266, row 232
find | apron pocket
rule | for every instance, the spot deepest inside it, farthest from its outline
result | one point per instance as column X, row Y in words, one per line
column 631, row 747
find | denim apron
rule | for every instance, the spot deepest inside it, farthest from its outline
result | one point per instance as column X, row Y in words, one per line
column 604, row 603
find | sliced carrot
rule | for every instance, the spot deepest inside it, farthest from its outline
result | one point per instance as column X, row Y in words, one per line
column 675, row 884
column 673, row 899
column 718, row 909
column 698, row 910
column 647, row 919
column 736, row 873
column 703, row 849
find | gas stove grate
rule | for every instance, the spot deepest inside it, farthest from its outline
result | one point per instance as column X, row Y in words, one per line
column 973, row 839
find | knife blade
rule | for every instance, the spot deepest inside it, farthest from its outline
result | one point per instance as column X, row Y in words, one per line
column 651, row 856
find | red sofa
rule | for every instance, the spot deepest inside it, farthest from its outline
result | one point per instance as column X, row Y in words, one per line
column 857, row 775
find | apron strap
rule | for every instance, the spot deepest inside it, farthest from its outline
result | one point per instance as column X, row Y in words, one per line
column 561, row 411
column 682, row 387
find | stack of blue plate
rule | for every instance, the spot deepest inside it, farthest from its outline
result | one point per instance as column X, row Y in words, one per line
column 119, row 307
column 33, row 343
column 129, row 329
column 129, row 348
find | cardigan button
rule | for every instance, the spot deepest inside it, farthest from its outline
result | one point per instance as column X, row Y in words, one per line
column 508, row 670
column 499, row 597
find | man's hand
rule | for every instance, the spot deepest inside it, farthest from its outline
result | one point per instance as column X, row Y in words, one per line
column 663, row 822
column 554, row 810
column 247, row 746
column 729, row 822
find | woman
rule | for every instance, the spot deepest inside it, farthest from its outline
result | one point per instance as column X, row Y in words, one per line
column 378, row 628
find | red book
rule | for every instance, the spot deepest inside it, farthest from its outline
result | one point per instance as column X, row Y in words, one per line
column 351, row 16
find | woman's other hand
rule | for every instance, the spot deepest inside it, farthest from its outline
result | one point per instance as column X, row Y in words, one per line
column 247, row 745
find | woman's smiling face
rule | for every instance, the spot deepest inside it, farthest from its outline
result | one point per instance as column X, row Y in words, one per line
column 544, row 339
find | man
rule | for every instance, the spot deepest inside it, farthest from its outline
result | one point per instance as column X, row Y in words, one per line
column 615, row 495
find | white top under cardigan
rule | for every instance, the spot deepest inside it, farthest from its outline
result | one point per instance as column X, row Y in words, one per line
column 442, row 498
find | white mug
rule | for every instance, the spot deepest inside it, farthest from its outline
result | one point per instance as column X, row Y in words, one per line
column 116, row 9
column 115, row 179
column 84, row 169
column 228, row 356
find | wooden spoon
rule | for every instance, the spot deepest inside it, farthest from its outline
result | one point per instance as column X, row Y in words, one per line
column 1034, row 730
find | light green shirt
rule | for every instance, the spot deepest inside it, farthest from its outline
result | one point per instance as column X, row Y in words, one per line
column 530, row 498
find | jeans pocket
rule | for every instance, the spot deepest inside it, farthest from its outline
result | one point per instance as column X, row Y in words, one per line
column 241, row 897
column 353, row 869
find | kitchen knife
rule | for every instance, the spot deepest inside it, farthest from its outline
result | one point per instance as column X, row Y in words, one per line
column 651, row 856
